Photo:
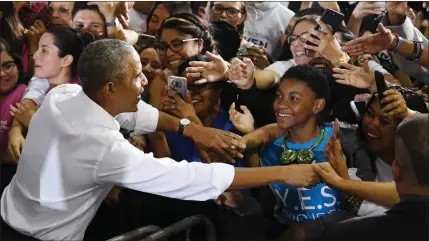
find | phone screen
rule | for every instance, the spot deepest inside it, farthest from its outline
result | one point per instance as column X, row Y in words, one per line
column 179, row 84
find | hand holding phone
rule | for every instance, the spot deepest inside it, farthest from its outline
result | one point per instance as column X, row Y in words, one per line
column 179, row 84
column 332, row 19
column 146, row 40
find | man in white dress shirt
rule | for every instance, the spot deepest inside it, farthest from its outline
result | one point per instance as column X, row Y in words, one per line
column 74, row 154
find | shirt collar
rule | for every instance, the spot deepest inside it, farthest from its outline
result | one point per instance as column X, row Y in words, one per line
column 96, row 115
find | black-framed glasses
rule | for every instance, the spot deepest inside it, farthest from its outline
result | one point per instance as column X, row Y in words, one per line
column 230, row 12
column 175, row 45
column 292, row 39
column 7, row 66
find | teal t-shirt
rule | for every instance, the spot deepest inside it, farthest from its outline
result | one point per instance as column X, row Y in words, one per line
column 300, row 204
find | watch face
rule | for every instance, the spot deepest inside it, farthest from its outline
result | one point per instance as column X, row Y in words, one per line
column 184, row 122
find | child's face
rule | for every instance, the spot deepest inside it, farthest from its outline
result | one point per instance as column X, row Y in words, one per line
column 8, row 73
column 295, row 103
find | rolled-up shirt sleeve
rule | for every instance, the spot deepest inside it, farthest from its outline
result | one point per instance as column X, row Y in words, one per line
column 36, row 90
column 144, row 121
column 124, row 165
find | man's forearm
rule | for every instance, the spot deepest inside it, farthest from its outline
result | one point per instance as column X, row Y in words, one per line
column 170, row 123
column 251, row 177
column 382, row 193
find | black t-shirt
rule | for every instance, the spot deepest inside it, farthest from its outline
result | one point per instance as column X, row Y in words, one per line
column 259, row 102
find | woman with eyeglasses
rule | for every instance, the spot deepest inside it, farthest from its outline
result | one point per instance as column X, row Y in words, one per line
column 180, row 37
column 234, row 13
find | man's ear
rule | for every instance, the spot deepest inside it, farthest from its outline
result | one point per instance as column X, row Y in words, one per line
column 67, row 60
column 108, row 89
column 319, row 105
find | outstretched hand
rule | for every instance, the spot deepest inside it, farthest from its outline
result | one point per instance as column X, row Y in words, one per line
column 216, row 70
column 370, row 44
column 242, row 72
column 358, row 77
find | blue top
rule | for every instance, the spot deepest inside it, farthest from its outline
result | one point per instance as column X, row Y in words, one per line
column 299, row 204
column 183, row 148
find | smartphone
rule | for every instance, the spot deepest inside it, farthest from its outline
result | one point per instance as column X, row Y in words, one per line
column 179, row 84
column 331, row 18
column 146, row 40
column 358, row 107
column 381, row 86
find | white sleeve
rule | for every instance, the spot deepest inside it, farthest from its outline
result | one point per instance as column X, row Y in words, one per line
column 376, row 66
column 124, row 165
column 36, row 90
column 144, row 121
column 280, row 67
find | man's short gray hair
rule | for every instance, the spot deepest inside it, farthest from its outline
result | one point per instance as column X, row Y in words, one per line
column 103, row 61
column 412, row 153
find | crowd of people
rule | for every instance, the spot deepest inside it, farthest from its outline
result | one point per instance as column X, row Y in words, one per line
column 286, row 129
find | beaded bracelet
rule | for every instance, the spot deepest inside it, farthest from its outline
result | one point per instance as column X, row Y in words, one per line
column 413, row 56
column 422, row 47
column 395, row 45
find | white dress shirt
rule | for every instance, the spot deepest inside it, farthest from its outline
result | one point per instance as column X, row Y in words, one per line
column 72, row 157
column 144, row 121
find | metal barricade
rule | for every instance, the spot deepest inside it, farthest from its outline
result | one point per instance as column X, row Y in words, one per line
column 184, row 225
column 136, row 234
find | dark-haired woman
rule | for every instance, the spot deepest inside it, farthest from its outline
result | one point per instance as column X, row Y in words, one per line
column 55, row 64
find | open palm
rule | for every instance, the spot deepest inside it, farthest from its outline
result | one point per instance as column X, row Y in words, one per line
column 370, row 44
column 358, row 77
column 242, row 122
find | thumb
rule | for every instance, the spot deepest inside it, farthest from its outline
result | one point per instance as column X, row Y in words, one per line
column 319, row 170
column 188, row 97
column 366, row 66
column 382, row 29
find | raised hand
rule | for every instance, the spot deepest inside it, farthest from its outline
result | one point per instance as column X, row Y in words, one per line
column 371, row 44
column 216, row 70
column 397, row 106
column 326, row 45
column 259, row 56
column 172, row 103
column 365, row 8
column 108, row 9
column 400, row 8
column 241, row 73
column 244, row 123
column 358, row 77
column 34, row 34
column 334, row 153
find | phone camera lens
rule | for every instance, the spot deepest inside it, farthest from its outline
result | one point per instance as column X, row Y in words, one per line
column 176, row 84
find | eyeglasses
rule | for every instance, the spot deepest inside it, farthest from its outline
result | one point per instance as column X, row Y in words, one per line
column 175, row 46
column 291, row 39
column 62, row 10
column 230, row 12
column 7, row 66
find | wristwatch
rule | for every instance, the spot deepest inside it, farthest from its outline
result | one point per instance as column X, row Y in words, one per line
column 183, row 123
column 114, row 23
